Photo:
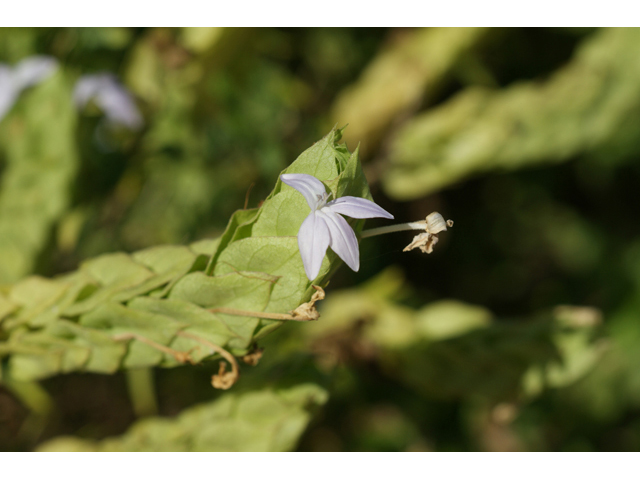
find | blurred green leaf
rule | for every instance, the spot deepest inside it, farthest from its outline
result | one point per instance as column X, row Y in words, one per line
column 581, row 109
column 411, row 67
column 269, row 420
column 448, row 349
column 41, row 164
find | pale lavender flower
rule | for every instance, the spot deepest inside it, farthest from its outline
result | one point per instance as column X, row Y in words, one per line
column 28, row 72
column 33, row 70
column 323, row 227
column 112, row 98
column 8, row 92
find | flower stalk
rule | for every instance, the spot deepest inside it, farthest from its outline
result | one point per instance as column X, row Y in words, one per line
column 400, row 227
column 425, row 241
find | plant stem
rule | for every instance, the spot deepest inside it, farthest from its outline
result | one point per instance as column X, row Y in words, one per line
column 223, row 380
column 400, row 227
column 142, row 391
column 246, row 313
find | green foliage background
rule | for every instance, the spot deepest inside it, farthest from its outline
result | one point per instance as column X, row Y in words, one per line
column 520, row 332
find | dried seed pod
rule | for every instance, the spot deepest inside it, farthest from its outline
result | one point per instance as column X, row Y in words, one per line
column 424, row 241
column 434, row 224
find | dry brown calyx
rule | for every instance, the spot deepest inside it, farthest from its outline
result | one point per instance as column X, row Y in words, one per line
column 224, row 380
column 307, row 312
column 425, row 241
column 253, row 357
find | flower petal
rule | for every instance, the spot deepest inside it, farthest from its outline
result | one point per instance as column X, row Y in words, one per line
column 119, row 106
column 357, row 208
column 8, row 92
column 33, row 70
column 108, row 93
column 343, row 238
column 87, row 87
column 309, row 186
column 313, row 240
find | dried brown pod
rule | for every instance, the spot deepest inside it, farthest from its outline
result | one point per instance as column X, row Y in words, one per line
column 425, row 241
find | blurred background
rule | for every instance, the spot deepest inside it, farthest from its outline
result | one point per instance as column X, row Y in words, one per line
column 520, row 332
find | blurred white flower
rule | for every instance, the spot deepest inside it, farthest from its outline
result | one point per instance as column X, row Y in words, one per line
column 112, row 98
column 33, row 70
column 25, row 74
column 8, row 93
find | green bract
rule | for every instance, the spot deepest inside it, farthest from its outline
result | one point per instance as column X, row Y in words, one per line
column 149, row 308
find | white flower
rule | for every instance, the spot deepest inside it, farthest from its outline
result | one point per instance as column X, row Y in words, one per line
column 112, row 98
column 323, row 227
column 28, row 72
column 33, row 70
column 8, row 92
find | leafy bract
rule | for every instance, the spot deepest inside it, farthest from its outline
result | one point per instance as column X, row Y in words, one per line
column 172, row 304
column 268, row 420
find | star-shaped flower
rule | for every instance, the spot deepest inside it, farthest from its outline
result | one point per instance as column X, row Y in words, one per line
column 323, row 227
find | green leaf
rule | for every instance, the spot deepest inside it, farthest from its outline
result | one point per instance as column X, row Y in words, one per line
column 410, row 71
column 115, row 272
column 157, row 307
column 241, row 221
column 236, row 290
column 279, row 257
column 269, row 420
column 117, row 320
column 243, row 290
column 582, row 108
column 166, row 258
column 201, row 323
column 105, row 353
column 36, row 291
column 448, row 318
column 449, row 349
column 38, row 139
column 6, row 307
column 205, row 246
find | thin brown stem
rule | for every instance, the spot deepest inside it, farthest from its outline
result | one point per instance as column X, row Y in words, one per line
column 223, row 380
column 182, row 357
column 246, row 197
column 266, row 315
